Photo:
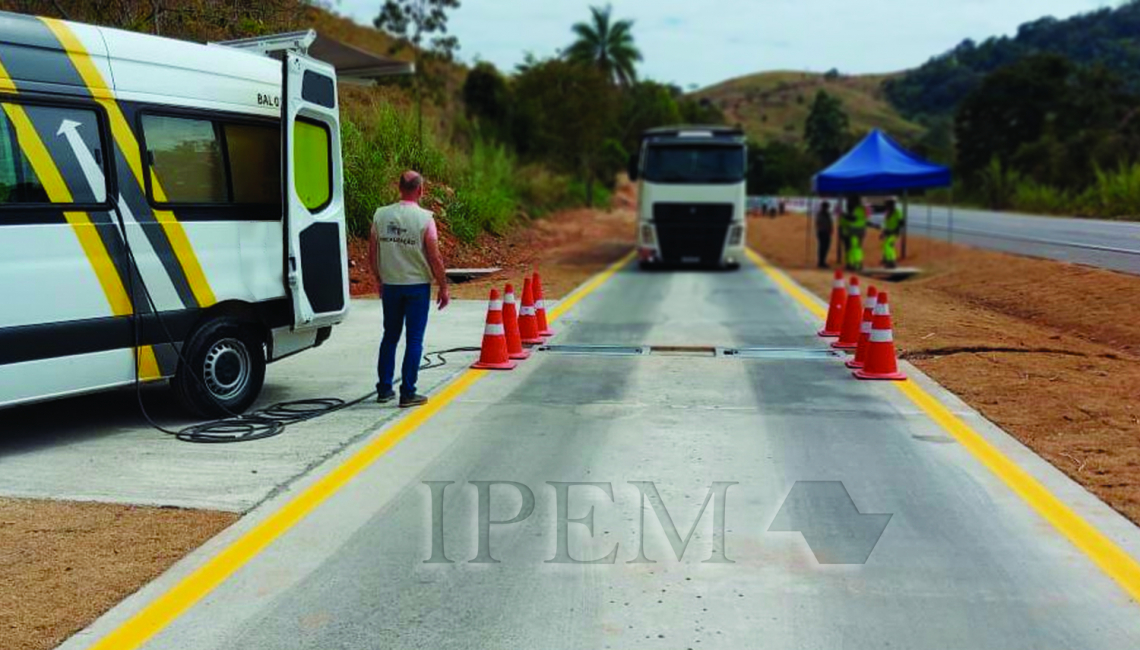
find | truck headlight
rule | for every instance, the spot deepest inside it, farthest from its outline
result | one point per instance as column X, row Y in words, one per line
column 735, row 235
column 647, row 236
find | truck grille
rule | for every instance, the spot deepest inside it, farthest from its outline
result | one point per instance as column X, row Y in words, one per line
column 692, row 233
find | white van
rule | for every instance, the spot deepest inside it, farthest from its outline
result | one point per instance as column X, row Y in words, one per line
column 149, row 223
column 691, row 196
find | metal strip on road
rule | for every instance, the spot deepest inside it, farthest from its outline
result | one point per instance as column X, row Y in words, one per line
column 163, row 610
column 1106, row 554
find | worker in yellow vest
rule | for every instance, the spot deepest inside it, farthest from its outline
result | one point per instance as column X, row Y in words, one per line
column 889, row 236
column 855, row 221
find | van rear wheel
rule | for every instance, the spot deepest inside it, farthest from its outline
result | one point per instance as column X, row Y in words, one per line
column 223, row 369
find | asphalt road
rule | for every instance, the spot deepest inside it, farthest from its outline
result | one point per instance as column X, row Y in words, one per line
column 962, row 561
column 1108, row 244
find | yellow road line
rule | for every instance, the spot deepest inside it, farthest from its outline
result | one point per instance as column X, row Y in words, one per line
column 167, row 607
column 581, row 292
column 128, row 144
column 1112, row 560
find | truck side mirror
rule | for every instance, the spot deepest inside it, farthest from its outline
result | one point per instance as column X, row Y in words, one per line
column 631, row 167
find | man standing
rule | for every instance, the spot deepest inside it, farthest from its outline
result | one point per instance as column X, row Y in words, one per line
column 892, row 226
column 404, row 250
column 855, row 221
column 823, row 228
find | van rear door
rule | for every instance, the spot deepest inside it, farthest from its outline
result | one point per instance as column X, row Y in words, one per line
column 316, row 268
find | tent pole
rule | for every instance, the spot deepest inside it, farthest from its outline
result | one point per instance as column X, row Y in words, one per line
column 950, row 225
column 929, row 217
column 807, row 238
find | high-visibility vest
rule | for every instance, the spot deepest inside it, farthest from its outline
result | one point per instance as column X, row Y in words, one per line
column 893, row 223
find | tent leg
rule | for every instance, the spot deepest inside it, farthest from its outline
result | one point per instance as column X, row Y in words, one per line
column 950, row 223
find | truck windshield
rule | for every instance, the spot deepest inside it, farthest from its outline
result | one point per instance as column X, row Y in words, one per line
column 694, row 164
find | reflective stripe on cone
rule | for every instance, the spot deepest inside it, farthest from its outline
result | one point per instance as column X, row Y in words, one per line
column 515, row 350
column 540, row 307
column 852, row 318
column 493, row 354
column 528, row 321
column 834, row 324
column 865, row 328
column 881, row 362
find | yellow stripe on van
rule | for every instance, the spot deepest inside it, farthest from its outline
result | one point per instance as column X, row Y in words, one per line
column 6, row 84
column 58, row 192
column 128, row 144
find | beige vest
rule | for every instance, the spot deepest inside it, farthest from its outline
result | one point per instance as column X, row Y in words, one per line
column 400, row 229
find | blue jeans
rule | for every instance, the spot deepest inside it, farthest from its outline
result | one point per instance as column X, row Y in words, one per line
column 403, row 303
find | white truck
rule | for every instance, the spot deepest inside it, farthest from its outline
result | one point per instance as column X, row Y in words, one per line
column 691, row 196
column 168, row 210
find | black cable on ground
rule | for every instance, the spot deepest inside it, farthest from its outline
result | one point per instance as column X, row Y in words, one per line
column 260, row 424
column 273, row 419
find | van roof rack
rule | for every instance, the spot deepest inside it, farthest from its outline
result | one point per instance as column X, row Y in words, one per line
column 351, row 63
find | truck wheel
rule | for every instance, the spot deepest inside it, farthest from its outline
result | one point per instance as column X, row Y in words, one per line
column 223, row 369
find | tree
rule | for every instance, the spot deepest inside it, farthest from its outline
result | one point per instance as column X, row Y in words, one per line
column 826, row 129
column 489, row 101
column 644, row 105
column 606, row 45
column 564, row 111
column 411, row 22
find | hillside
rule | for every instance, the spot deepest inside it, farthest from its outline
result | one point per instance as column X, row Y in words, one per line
column 775, row 105
column 1109, row 36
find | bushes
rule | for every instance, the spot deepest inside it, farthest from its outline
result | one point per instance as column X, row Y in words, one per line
column 482, row 188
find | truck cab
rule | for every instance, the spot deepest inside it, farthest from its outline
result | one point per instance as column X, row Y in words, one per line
column 691, row 196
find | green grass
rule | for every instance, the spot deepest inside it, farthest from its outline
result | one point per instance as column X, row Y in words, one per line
column 482, row 187
column 775, row 105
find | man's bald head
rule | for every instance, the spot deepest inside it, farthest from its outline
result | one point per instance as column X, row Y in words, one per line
column 411, row 185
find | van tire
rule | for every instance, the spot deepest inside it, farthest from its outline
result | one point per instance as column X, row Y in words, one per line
column 226, row 369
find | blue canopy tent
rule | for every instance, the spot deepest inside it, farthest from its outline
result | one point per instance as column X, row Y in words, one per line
column 879, row 165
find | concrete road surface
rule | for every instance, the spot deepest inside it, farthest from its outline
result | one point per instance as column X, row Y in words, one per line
column 1108, row 244
column 848, row 517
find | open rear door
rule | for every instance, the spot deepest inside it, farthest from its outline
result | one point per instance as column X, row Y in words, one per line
column 316, row 266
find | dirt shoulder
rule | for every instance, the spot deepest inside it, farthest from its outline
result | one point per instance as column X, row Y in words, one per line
column 1047, row 350
column 63, row 564
column 566, row 248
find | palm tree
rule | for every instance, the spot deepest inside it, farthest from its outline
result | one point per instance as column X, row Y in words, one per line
column 606, row 45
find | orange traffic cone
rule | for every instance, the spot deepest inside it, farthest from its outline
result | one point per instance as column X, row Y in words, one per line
column 528, row 322
column 493, row 355
column 515, row 350
column 864, row 329
column 835, row 307
column 881, row 362
column 540, row 307
column 852, row 318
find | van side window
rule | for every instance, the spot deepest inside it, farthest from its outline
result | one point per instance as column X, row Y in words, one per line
column 50, row 155
column 255, row 163
column 312, row 164
column 186, row 161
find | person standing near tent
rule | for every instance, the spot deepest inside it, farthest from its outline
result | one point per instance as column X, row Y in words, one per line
column 892, row 225
column 855, row 221
column 823, row 228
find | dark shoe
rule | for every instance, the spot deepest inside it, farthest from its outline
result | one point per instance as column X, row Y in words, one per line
column 412, row 400
column 385, row 396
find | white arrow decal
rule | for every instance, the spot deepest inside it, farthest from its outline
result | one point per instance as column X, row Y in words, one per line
column 70, row 129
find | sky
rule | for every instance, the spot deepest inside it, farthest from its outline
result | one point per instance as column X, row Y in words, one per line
column 694, row 42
